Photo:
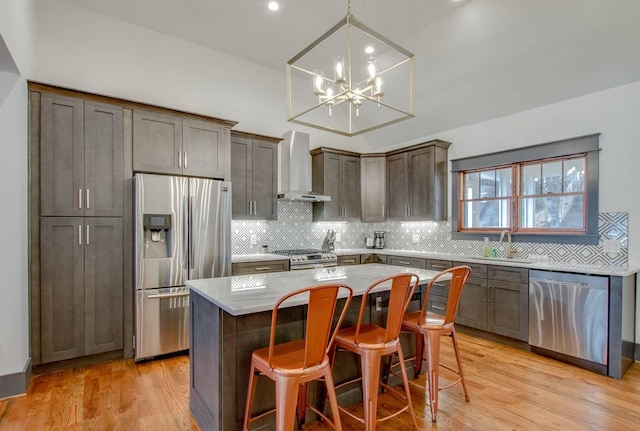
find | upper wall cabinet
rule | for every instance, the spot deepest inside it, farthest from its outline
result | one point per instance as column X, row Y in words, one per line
column 373, row 180
column 336, row 173
column 254, row 176
column 417, row 182
column 81, row 158
column 170, row 144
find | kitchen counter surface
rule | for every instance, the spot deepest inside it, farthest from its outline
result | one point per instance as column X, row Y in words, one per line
column 257, row 257
column 548, row 265
column 245, row 294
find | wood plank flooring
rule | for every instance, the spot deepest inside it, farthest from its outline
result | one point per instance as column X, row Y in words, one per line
column 510, row 389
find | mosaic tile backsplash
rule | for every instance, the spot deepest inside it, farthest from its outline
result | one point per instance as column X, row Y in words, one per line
column 295, row 229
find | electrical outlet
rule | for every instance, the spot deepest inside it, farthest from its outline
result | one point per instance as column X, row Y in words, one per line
column 338, row 237
column 415, row 238
column 254, row 239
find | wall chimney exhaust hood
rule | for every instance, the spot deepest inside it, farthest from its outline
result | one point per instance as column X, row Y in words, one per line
column 294, row 162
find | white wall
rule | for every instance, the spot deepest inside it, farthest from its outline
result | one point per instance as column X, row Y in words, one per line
column 15, row 29
column 84, row 50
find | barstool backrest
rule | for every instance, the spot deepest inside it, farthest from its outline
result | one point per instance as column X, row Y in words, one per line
column 403, row 286
column 459, row 276
column 321, row 308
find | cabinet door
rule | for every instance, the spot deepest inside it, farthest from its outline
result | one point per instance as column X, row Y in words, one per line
column 103, row 285
column 472, row 309
column 61, row 288
column 103, row 160
column 421, row 184
column 350, row 185
column 61, row 156
column 333, row 210
column 264, row 180
column 205, row 149
column 373, row 180
column 241, row 172
column 397, row 188
column 157, row 142
column 508, row 310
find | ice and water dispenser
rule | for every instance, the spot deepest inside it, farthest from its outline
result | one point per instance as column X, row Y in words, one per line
column 157, row 235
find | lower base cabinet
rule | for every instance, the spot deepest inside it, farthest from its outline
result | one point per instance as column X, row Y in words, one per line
column 262, row 267
column 496, row 299
column 81, row 292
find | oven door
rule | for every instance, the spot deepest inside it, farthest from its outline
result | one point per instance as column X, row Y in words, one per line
column 311, row 266
column 162, row 321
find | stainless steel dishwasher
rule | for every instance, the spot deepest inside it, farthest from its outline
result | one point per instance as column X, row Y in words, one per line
column 568, row 315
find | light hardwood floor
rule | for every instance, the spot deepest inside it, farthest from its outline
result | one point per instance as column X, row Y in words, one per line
column 510, row 389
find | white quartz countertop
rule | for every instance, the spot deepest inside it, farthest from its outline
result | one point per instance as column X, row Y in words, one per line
column 522, row 263
column 246, row 294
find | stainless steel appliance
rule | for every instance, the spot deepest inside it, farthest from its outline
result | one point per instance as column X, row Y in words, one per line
column 568, row 314
column 182, row 231
column 378, row 239
column 309, row 258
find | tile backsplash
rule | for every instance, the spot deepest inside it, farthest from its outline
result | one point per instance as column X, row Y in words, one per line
column 296, row 229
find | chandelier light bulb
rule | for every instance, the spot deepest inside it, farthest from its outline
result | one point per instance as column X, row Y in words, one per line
column 371, row 68
column 338, row 68
column 318, row 82
column 377, row 87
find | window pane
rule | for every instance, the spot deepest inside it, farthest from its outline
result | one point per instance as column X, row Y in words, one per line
column 488, row 181
column 503, row 186
column 472, row 186
column 574, row 175
column 552, row 178
column 486, row 214
column 531, row 184
column 564, row 212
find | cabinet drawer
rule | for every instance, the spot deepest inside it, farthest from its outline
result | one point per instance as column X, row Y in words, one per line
column 411, row 262
column 243, row 268
column 508, row 273
column 437, row 304
column 351, row 259
column 478, row 270
column 439, row 265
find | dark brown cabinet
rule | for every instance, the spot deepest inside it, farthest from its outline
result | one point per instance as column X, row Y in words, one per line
column 410, row 262
column 81, row 158
column 496, row 299
column 349, row 259
column 262, row 267
column 417, row 182
column 254, row 177
column 81, row 287
column 170, row 144
column 373, row 180
column 336, row 173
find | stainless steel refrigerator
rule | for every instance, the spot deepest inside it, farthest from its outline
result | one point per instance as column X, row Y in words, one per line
column 182, row 232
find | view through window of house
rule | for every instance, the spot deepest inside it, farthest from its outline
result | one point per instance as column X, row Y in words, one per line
column 536, row 196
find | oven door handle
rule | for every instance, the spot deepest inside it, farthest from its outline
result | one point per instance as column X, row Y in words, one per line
column 168, row 295
column 318, row 266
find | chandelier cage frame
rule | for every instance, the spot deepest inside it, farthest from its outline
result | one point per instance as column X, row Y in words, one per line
column 347, row 93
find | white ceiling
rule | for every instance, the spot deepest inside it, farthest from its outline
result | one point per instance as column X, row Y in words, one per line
column 475, row 59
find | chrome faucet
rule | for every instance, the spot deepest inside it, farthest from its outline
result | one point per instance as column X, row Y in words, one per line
column 510, row 250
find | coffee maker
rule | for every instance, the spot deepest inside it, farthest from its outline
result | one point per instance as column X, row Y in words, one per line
column 378, row 239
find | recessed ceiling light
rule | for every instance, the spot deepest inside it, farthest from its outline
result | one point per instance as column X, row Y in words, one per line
column 369, row 50
column 273, row 6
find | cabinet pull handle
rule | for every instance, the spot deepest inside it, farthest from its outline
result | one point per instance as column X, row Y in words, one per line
column 489, row 288
column 88, row 205
column 79, row 234
column 438, row 266
column 185, row 160
column 349, row 261
column 179, row 159
column 88, row 235
column 408, row 210
column 262, row 268
column 404, row 263
column 437, row 307
column 382, row 210
column 250, row 207
column 255, row 207
column 80, row 198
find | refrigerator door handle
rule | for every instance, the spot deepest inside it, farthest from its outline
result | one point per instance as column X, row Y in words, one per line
column 191, row 233
column 185, row 233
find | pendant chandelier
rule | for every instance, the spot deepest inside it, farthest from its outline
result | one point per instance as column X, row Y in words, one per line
column 351, row 80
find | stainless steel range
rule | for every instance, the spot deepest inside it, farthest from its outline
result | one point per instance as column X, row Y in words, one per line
column 309, row 258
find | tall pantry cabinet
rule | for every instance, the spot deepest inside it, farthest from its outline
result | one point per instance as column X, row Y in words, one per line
column 77, row 206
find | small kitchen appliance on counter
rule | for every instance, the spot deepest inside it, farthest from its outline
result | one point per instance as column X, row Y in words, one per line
column 378, row 239
column 369, row 242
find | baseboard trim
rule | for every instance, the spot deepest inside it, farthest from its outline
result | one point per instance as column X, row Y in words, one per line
column 15, row 384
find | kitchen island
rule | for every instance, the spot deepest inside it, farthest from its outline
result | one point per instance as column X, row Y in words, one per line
column 231, row 317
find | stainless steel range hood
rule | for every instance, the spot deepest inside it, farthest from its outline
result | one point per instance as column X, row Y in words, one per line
column 294, row 182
